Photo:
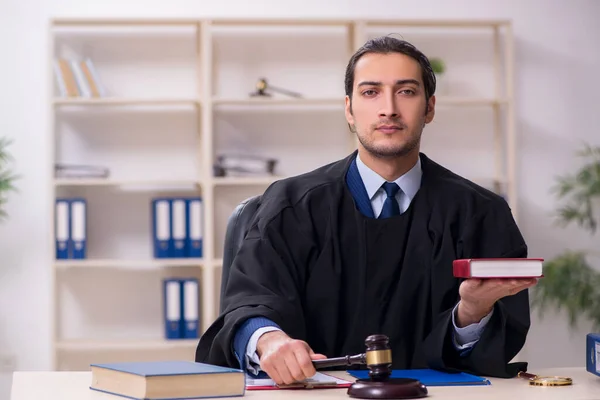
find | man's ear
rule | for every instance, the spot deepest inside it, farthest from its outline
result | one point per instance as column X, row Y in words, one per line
column 430, row 109
column 348, row 111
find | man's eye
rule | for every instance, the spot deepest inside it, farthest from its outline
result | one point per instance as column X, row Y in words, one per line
column 407, row 91
column 368, row 92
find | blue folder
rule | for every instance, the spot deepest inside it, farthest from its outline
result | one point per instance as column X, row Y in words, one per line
column 430, row 377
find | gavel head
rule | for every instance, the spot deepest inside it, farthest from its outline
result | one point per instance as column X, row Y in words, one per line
column 378, row 357
column 261, row 86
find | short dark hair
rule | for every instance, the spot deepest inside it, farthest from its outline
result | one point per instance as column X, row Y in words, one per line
column 386, row 45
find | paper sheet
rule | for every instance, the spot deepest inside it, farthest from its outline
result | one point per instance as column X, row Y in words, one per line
column 319, row 379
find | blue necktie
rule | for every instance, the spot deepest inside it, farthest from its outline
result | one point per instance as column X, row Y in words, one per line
column 390, row 205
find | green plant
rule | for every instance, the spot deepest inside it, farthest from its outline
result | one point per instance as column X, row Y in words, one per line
column 438, row 65
column 569, row 280
column 6, row 176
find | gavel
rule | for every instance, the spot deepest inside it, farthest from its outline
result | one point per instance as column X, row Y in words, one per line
column 378, row 359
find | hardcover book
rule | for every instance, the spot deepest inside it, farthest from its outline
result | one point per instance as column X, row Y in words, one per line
column 498, row 268
column 167, row 380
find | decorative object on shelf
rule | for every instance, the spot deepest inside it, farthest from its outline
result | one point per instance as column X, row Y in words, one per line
column 244, row 165
column 7, row 178
column 439, row 68
column 80, row 171
column 570, row 281
column 262, row 86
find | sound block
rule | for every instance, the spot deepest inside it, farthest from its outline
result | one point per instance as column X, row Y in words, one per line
column 392, row 388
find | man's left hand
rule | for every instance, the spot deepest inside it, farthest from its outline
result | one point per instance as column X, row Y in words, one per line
column 478, row 296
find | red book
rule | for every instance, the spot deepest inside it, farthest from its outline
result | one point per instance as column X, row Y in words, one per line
column 498, row 268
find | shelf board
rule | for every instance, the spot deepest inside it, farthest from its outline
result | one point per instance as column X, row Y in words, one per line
column 124, row 21
column 84, row 182
column 278, row 102
column 130, row 264
column 284, row 22
column 125, row 101
column 281, row 21
column 437, row 23
column 468, row 101
column 245, row 181
column 124, row 344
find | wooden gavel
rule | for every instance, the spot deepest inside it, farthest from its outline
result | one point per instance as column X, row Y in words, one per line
column 377, row 357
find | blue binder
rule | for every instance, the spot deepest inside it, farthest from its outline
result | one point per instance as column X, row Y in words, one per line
column 62, row 228
column 179, row 228
column 190, row 288
column 195, row 222
column 592, row 346
column 162, row 227
column 173, row 306
column 431, row 377
column 78, row 230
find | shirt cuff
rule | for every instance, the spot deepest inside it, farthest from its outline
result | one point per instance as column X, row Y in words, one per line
column 252, row 360
column 467, row 336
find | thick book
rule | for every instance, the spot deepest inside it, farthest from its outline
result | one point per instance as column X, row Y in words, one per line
column 167, row 380
column 430, row 377
column 498, row 268
column 593, row 353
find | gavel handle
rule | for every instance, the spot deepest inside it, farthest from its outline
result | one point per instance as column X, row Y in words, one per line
column 340, row 361
column 526, row 375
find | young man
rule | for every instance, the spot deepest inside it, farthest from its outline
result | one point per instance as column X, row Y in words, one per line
column 365, row 245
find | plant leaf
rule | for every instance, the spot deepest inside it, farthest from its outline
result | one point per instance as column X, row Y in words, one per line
column 569, row 284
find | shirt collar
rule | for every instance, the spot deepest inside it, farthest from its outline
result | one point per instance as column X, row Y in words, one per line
column 409, row 182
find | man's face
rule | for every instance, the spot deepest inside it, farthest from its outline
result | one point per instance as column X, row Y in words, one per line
column 388, row 111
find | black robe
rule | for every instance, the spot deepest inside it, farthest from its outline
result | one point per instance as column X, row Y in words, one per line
column 329, row 275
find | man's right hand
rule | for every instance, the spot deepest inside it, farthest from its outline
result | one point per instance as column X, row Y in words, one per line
column 284, row 359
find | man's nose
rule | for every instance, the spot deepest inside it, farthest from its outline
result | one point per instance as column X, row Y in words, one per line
column 389, row 108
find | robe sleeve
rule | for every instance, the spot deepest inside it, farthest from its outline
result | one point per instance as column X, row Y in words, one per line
column 265, row 280
column 492, row 233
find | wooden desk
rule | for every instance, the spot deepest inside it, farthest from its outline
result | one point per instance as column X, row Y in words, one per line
column 75, row 386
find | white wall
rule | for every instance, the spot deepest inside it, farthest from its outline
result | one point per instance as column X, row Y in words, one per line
column 557, row 60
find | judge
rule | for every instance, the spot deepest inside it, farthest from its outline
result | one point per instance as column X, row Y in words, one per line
column 365, row 245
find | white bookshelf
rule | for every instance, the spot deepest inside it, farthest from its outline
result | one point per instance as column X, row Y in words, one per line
column 178, row 95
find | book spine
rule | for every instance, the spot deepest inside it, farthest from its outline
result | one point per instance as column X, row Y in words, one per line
column 461, row 268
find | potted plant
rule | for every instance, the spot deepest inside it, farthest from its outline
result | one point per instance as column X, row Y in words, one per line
column 439, row 68
column 570, row 282
column 6, row 177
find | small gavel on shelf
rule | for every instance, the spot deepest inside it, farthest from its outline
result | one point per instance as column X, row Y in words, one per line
column 378, row 359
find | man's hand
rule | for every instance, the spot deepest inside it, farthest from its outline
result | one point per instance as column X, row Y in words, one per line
column 284, row 359
column 478, row 297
